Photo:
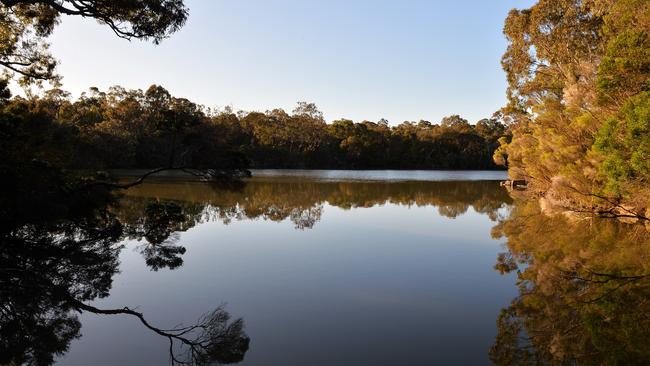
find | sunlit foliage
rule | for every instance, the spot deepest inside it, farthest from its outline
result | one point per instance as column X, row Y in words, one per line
column 579, row 74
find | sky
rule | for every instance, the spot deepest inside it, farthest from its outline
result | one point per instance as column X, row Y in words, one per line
column 356, row 59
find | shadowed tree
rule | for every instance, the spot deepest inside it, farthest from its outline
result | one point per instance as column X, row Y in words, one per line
column 26, row 24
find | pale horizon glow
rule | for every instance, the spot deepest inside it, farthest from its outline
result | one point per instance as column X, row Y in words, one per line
column 361, row 60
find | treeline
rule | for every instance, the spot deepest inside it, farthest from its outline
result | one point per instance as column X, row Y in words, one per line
column 123, row 128
column 579, row 88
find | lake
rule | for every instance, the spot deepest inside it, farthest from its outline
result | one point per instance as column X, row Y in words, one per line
column 324, row 267
column 356, row 268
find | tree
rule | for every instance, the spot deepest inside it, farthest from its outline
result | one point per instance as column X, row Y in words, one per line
column 574, row 68
column 455, row 122
column 624, row 144
column 26, row 24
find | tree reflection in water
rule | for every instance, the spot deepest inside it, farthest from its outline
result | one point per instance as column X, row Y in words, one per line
column 51, row 269
column 301, row 200
column 54, row 269
column 584, row 291
column 156, row 212
column 583, row 283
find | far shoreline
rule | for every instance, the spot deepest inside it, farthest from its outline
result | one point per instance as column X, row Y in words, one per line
column 337, row 174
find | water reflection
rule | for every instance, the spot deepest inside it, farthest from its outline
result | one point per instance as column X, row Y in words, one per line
column 583, row 284
column 158, row 225
column 584, row 290
column 44, row 271
column 302, row 200
column 52, row 270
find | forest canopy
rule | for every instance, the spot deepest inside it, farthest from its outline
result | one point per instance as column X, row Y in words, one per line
column 122, row 128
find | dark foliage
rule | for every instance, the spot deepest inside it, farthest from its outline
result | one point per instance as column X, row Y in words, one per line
column 53, row 266
column 149, row 129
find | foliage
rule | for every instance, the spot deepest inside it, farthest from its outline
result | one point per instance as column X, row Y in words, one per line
column 116, row 129
column 624, row 142
column 578, row 75
column 52, row 267
column 26, row 24
column 123, row 128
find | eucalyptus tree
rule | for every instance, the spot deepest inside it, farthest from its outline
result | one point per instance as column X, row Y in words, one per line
column 578, row 83
column 26, row 25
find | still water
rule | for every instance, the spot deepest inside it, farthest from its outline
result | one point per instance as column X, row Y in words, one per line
column 324, row 267
column 366, row 268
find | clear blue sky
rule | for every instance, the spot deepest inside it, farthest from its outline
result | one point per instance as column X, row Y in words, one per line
column 358, row 59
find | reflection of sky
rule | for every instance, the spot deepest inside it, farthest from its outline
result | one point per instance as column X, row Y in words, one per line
column 385, row 175
column 382, row 285
column 470, row 227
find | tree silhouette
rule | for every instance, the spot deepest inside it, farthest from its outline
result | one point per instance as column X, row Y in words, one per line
column 27, row 23
column 51, row 269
